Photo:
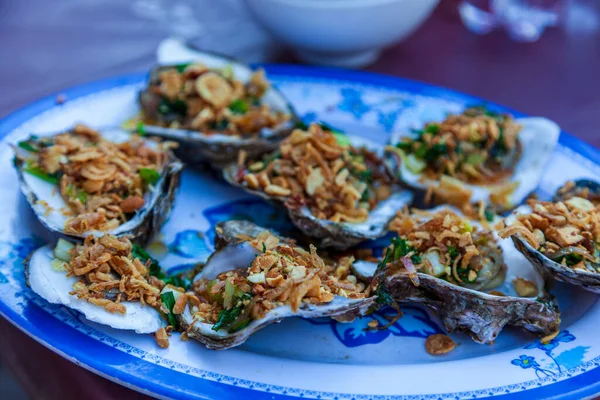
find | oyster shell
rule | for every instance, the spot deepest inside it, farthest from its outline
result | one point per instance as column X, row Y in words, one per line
column 48, row 205
column 537, row 138
column 477, row 309
column 339, row 235
column 584, row 188
column 214, row 148
column 586, row 276
column 234, row 252
column 54, row 286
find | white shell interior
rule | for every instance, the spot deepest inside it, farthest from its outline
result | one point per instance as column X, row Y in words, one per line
column 229, row 258
column 171, row 52
column 54, row 286
column 538, row 138
column 54, row 217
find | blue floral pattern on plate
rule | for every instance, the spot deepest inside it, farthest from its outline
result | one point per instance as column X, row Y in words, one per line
column 381, row 104
column 415, row 322
column 386, row 110
column 564, row 360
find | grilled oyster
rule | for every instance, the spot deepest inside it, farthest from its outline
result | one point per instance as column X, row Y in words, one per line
column 335, row 187
column 479, row 155
column 256, row 278
column 87, row 277
column 562, row 237
column 477, row 282
column 82, row 182
column 215, row 107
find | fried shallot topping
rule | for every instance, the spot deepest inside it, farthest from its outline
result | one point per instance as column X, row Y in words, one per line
column 281, row 274
column 193, row 96
column 103, row 183
column 320, row 169
column 567, row 232
column 108, row 273
column 444, row 245
column 478, row 147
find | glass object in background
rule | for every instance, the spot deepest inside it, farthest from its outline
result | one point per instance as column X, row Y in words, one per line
column 524, row 20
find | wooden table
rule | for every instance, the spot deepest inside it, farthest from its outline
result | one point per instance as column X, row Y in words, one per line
column 556, row 77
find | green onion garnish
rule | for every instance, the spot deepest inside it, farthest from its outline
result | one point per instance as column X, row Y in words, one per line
column 149, row 175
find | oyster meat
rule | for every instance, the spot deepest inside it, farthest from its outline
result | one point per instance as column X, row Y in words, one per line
column 478, row 155
column 476, row 282
column 561, row 237
column 215, row 107
column 256, row 278
column 82, row 182
column 334, row 187
column 90, row 277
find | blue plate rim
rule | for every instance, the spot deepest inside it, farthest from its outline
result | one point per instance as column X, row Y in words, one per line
column 583, row 385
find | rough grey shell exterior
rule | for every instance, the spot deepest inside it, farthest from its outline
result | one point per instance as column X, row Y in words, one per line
column 480, row 315
column 589, row 281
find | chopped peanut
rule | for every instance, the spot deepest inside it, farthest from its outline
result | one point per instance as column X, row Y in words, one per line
column 525, row 288
column 162, row 338
column 439, row 344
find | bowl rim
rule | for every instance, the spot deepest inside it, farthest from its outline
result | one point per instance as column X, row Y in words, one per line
column 338, row 4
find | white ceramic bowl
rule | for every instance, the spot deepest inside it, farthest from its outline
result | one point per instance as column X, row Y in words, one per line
column 346, row 33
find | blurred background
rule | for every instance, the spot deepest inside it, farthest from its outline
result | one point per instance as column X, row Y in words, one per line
column 540, row 57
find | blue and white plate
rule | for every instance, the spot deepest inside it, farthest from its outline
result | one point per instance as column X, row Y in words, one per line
column 299, row 357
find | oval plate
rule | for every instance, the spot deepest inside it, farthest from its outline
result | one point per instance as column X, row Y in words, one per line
column 308, row 358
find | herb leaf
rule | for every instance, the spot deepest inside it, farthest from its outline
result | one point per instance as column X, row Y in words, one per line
column 28, row 145
column 82, row 196
column 489, row 215
column 432, row 128
column 168, row 299
column 366, row 176
column 435, row 151
column 226, row 318
column 177, row 107
column 401, row 249
column 154, row 269
column 40, row 173
column 453, row 252
column 384, row 261
column 271, row 157
column 404, row 145
column 383, row 296
column 140, row 129
column 572, row 259
column 149, row 175
column 181, row 67
column 177, row 281
column 233, row 319
column 239, row 106
column 421, row 151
